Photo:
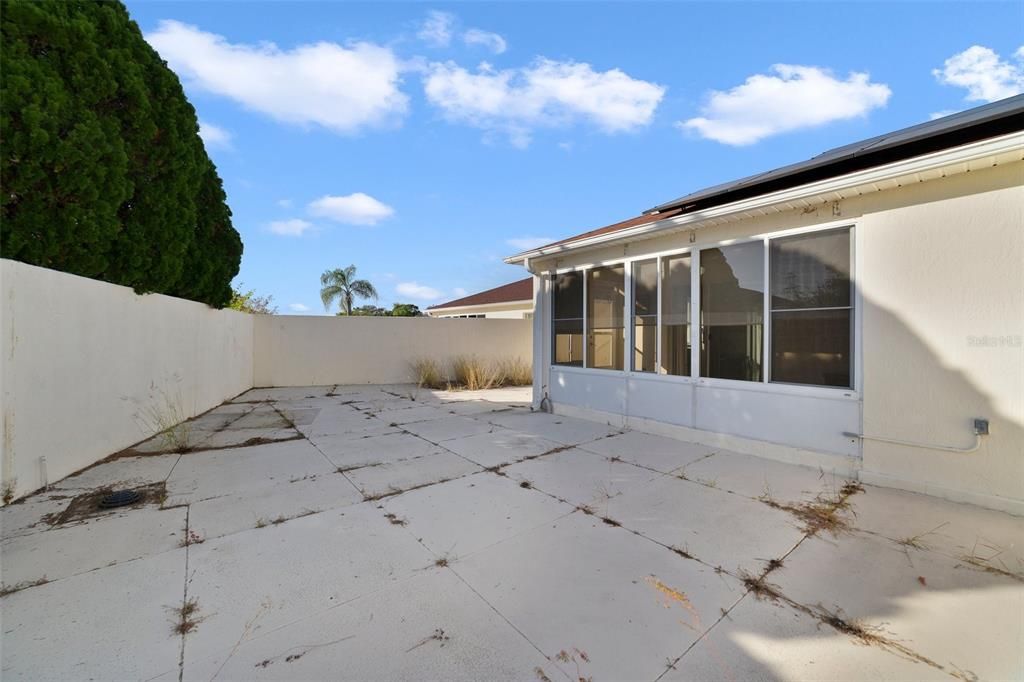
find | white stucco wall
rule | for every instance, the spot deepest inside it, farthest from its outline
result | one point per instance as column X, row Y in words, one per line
column 299, row 351
column 84, row 363
column 941, row 286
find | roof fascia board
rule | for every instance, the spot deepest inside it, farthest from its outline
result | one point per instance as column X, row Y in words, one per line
column 920, row 164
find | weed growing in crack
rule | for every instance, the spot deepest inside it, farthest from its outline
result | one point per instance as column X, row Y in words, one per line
column 585, row 509
column 917, row 541
column 985, row 561
column 610, row 521
column 7, row 492
column 394, row 520
column 682, row 552
column 438, row 636
column 827, row 511
column 525, row 484
column 576, row 657
column 539, row 672
column 25, row 584
column 188, row 618
column 191, row 538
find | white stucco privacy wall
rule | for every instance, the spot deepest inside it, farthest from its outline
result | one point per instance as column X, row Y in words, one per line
column 85, row 364
column 309, row 351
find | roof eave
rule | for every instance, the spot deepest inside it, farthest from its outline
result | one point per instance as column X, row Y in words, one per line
column 916, row 165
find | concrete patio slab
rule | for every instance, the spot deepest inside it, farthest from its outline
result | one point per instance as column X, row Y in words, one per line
column 115, row 623
column 757, row 477
column 716, row 527
column 762, row 640
column 214, row 473
column 275, row 504
column 61, row 552
column 428, row 627
column 353, row 453
column 123, row 472
column 564, row 430
column 293, row 575
column 250, row 583
column 963, row 532
column 448, row 427
column 582, row 478
column 916, row 599
column 650, row 451
column 578, row 584
column 387, row 479
column 463, row 516
column 500, row 446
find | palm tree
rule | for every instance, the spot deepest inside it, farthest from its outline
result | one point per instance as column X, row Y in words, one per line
column 341, row 284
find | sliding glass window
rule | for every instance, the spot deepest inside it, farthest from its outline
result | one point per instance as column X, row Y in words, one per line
column 675, row 315
column 567, row 319
column 732, row 311
column 645, row 315
column 811, row 309
column 606, row 331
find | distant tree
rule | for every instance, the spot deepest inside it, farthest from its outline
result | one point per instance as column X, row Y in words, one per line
column 103, row 171
column 369, row 311
column 249, row 302
column 341, row 284
column 405, row 310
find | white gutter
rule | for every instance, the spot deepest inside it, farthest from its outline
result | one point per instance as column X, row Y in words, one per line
column 921, row 164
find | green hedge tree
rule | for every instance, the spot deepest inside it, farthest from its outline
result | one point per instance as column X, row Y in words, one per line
column 103, row 171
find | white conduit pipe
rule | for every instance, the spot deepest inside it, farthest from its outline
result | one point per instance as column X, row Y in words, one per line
column 944, row 448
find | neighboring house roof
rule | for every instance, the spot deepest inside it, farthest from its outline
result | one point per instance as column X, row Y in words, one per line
column 981, row 123
column 506, row 293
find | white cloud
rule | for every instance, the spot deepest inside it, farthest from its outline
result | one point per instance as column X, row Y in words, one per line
column 284, row 203
column 214, row 136
column 354, row 209
column 418, row 291
column 984, row 74
column 459, row 292
column 292, row 228
column 527, row 243
column 793, row 97
column 298, row 307
column 343, row 89
column 546, row 93
column 436, row 30
column 942, row 114
column 492, row 41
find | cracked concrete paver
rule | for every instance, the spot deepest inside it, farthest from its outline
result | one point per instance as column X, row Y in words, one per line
column 216, row 473
column 651, row 451
column 448, row 428
column 578, row 583
column 582, row 478
column 564, row 430
column 352, row 453
column 764, row 641
column 114, row 623
column 411, row 473
column 228, row 514
column 428, row 627
column 718, row 528
column 124, row 472
column 921, row 599
column 252, row 582
column 757, row 477
column 501, row 446
column 464, row 516
column 75, row 548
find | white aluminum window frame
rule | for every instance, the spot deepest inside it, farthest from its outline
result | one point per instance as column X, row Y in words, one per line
column 762, row 386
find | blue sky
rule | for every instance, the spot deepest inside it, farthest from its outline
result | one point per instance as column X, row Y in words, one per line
column 424, row 142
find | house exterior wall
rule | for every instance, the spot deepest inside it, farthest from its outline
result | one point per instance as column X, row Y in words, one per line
column 939, row 318
column 306, row 351
column 87, row 366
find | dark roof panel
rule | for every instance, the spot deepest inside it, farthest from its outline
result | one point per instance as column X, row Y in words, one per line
column 506, row 293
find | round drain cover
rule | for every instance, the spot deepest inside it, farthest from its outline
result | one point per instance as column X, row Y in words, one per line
column 120, row 498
